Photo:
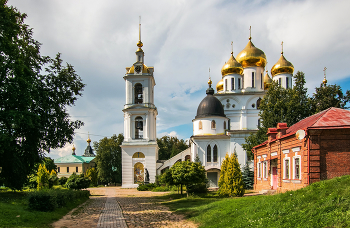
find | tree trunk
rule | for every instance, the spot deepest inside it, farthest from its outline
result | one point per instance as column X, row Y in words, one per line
column 181, row 189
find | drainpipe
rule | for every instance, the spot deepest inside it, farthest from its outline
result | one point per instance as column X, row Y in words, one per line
column 308, row 157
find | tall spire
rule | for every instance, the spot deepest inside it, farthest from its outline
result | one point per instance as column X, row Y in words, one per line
column 139, row 44
column 324, row 79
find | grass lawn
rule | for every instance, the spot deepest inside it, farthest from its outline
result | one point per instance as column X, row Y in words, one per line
column 322, row 204
column 14, row 211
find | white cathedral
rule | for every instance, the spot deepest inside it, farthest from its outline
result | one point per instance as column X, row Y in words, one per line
column 222, row 122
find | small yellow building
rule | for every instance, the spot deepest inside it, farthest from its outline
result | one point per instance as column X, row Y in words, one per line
column 73, row 163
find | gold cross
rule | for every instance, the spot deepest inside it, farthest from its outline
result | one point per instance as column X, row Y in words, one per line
column 324, row 70
column 250, row 32
column 282, row 47
column 232, row 47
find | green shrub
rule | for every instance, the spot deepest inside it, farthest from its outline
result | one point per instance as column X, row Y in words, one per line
column 62, row 181
column 77, row 182
column 53, row 180
column 161, row 189
column 197, row 188
column 146, row 187
column 49, row 200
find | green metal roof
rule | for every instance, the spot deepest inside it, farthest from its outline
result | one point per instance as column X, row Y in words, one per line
column 74, row 159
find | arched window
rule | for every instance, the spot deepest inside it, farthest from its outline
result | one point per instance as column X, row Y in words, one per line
column 258, row 103
column 232, row 83
column 138, row 127
column 138, row 155
column 208, row 153
column 225, row 125
column 225, row 84
column 253, row 80
column 215, row 153
column 138, row 94
column 200, row 125
column 187, row 157
column 213, row 124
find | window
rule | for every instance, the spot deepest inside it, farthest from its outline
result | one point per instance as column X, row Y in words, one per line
column 225, row 125
column 215, row 153
column 259, row 170
column 265, row 169
column 286, row 169
column 253, row 80
column 208, row 153
column 67, row 169
column 138, row 127
column 225, row 84
column 239, row 83
column 280, row 81
column 232, row 83
column 76, row 169
column 138, row 94
column 213, row 124
column 297, row 168
column 287, row 83
column 258, row 103
column 139, row 58
column 261, row 81
column 58, row 169
column 200, row 125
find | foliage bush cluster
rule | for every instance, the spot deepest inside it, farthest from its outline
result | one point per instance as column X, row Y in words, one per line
column 77, row 182
column 49, row 200
column 62, row 181
column 147, row 187
column 248, row 177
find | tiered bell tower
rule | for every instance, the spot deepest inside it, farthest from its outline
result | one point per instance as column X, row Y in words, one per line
column 139, row 149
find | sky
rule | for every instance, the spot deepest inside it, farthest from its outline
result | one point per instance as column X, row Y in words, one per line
column 182, row 40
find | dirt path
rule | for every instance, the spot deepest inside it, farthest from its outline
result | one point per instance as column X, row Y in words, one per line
column 139, row 210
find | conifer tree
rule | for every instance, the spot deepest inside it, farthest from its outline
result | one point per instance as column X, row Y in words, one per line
column 231, row 182
column 248, row 177
column 43, row 177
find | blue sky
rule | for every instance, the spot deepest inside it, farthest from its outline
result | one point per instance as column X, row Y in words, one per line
column 182, row 39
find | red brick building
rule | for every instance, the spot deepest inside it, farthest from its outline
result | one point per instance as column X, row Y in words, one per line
column 314, row 149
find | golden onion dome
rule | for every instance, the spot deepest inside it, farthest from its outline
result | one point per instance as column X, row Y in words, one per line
column 144, row 69
column 324, row 80
column 231, row 67
column 73, row 148
column 282, row 66
column 220, row 86
column 267, row 80
column 251, row 56
column 88, row 140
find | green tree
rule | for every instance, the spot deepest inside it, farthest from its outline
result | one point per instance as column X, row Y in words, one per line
column 170, row 146
column 248, row 177
column 109, row 159
column 280, row 105
column 231, row 181
column 77, row 182
column 327, row 96
column 93, row 176
column 33, row 100
column 43, row 177
column 187, row 173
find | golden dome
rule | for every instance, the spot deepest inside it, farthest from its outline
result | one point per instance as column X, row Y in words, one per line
column 210, row 82
column 267, row 80
column 144, row 69
column 282, row 66
column 220, row 86
column 88, row 140
column 251, row 56
column 231, row 67
column 324, row 80
column 73, row 148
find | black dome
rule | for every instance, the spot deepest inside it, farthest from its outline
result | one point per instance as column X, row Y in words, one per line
column 210, row 106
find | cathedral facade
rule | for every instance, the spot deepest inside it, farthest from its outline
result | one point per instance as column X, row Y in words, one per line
column 224, row 118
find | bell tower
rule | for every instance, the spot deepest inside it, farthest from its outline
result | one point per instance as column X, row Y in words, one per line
column 139, row 149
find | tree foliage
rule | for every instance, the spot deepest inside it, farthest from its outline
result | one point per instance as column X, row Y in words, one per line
column 169, row 146
column 34, row 93
column 185, row 173
column 248, row 177
column 109, row 159
column 43, row 177
column 77, row 182
column 93, row 176
column 231, row 181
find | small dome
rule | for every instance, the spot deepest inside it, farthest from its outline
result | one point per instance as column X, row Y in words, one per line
column 251, row 56
column 267, row 80
column 231, row 67
column 282, row 66
column 144, row 69
column 210, row 106
column 220, row 86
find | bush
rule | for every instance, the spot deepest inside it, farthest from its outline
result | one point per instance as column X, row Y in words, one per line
column 53, row 180
column 49, row 200
column 197, row 188
column 62, row 181
column 161, row 189
column 146, row 187
column 77, row 182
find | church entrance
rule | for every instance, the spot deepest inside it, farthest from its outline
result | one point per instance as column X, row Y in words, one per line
column 213, row 179
column 139, row 173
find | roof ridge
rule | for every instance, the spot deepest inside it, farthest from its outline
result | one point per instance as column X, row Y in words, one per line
column 321, row 115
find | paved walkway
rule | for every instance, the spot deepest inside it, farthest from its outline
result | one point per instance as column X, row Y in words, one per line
column 112, row 215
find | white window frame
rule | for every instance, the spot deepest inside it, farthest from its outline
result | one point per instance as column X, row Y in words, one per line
column 294, row 167
column 284, row 168
column 264, row 170
column 259, row 169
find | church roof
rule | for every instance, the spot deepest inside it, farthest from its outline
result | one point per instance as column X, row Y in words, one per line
column 210, row 106
column 74, row 159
